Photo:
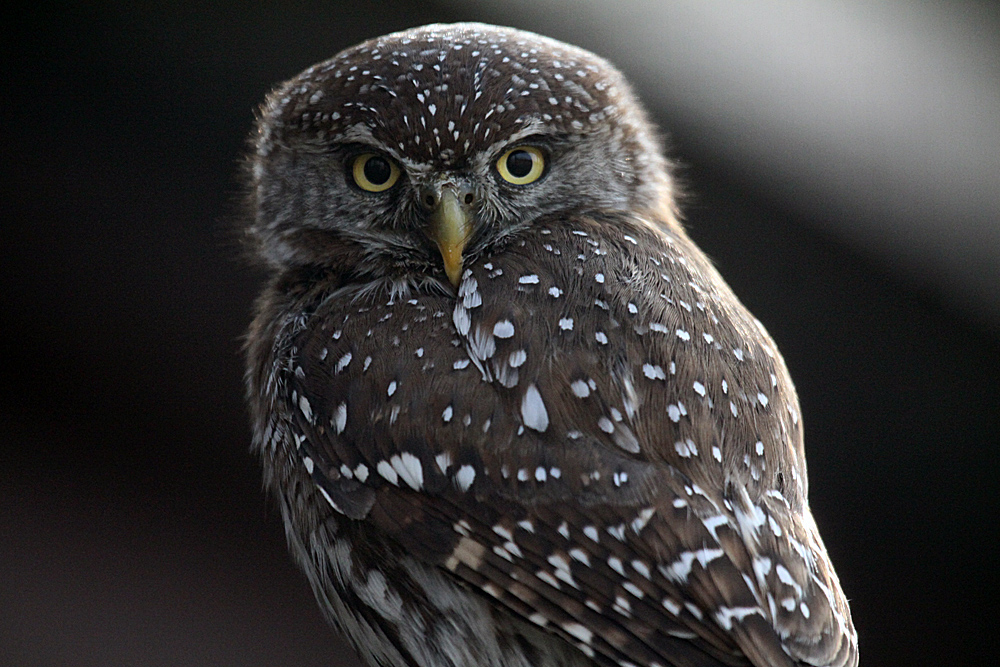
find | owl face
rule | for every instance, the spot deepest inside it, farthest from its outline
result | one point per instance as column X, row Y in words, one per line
column 414, row 152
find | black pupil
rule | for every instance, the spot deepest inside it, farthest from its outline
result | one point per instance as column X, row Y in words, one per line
column 519, row 164
column 377, row 170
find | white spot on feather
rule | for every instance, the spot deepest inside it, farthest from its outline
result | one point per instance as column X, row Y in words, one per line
column 464, row 477
column 533, row 410
column 340, row 418
column 653, row 372
column 579, row 631
column 503, row 329
column 306, row 409
column 410, row 469
column 725, row 615
column 461, row 319
column 385, row 469
column 342, row 363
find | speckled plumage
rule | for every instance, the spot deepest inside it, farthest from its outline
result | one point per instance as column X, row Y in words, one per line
column 582, row 450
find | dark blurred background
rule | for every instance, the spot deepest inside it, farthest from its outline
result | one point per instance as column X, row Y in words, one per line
column 842, row 163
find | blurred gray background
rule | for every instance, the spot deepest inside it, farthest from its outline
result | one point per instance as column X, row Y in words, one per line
column 843, row 167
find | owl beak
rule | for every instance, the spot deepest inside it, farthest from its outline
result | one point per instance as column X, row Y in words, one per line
column 450, row 226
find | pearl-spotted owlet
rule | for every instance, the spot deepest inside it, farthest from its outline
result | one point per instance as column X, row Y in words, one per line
column 512, row 416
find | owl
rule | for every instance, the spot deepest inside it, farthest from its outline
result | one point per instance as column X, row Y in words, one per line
column 511, row 414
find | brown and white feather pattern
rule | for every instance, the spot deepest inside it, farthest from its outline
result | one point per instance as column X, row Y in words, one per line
column 593, row 435
column 570, row 446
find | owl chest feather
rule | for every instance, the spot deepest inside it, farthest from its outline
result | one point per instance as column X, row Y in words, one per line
column 591, row 347
column 572, row 370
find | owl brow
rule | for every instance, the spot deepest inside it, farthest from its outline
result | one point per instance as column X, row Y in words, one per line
column 530, row 127
column 345, row 151
column 358, row 137
column 549, row 140
column 359, row 132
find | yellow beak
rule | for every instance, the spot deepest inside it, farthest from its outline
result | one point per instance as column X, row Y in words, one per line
column 450, row 226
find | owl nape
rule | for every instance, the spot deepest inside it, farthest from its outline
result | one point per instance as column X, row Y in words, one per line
column 511, row 414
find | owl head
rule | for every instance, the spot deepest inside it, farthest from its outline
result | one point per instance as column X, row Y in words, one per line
column 407, row 155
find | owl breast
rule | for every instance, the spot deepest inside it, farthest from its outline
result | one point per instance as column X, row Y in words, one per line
column 572, row 336
column 570, row 371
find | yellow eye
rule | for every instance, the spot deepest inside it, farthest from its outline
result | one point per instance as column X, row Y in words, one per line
column 521, row 165
column 374, row 173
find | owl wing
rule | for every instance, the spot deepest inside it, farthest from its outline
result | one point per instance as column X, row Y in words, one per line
column 543, row 438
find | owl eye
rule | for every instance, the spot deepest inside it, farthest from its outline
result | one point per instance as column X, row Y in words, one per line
column 374, row 173
column 521, row 165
